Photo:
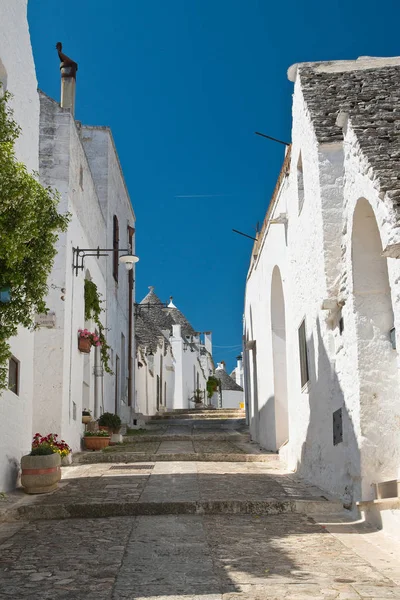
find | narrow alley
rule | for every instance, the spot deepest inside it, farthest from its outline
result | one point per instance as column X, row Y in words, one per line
column 189, row 509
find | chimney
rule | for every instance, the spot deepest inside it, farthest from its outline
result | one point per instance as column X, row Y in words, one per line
column 208, row 341
column 239, row 370
column 68, row 69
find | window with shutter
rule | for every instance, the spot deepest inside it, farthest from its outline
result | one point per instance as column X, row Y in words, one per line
column 115, row 246
column 304, row 374
column 13, row 375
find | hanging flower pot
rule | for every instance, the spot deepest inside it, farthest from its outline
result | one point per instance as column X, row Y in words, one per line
column 87, row 339
column 84, row 345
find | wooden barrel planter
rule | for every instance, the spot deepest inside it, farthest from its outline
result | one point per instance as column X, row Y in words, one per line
column 96, row 443
column 40, row 474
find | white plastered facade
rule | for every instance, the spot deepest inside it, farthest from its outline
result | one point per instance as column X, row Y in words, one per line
column 82, row 164
column 327, row 250
column 18, row 76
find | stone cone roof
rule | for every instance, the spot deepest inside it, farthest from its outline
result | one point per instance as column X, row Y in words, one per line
column 155, row 311
column 371, row 98
column 227, row 383
column 148, row 335
column 180, row 319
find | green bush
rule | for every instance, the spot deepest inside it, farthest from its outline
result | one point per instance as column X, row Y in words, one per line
column 29, row 229
column 111, row 421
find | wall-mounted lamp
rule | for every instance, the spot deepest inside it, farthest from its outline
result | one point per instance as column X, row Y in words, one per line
column 79, row 254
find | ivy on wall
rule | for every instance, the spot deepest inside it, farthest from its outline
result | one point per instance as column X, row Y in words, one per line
column 92, row 311
column 29, row 226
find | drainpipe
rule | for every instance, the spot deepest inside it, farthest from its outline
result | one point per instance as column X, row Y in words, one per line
column 131, row 231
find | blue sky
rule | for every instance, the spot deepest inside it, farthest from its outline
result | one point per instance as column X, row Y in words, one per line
column 184, row 84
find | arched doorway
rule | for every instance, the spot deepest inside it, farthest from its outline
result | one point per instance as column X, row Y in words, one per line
column 377, row 360
column 278, row 335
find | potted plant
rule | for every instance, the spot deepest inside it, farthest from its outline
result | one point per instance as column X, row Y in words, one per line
column 86, row 416
column 96, row 440
column 197, row 398
column 41, row 469
column 110, row 422
column 86, row 340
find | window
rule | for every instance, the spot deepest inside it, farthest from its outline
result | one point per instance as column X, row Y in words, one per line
column 341, row 325
column 337, row 427
column 116, row 247
column 300, row 183
column 304, row 374
column 13, row 375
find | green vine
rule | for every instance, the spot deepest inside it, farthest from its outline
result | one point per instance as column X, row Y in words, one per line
column 92, row 311
column 29, row 226
column 213, row 384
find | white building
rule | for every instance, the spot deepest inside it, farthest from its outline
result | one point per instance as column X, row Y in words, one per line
column 81, row 162
column 172, row 359
column 18, row 76
column 321, row 368
column 230, row 393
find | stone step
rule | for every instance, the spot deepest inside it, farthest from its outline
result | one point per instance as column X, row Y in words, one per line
column 211, row 416
column 76, row 510
column 182, row 437
column 205, row 410
column 132, row 457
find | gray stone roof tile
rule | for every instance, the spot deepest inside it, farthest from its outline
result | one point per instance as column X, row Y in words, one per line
column 227, row 383
column 371, row 97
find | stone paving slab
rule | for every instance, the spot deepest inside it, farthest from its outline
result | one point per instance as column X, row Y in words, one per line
column 169, row 488
column 185, row 558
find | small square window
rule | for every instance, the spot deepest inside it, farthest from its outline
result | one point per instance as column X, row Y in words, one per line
column 13, row 375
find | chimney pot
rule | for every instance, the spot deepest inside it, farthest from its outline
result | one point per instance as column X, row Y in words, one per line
column 68, row 68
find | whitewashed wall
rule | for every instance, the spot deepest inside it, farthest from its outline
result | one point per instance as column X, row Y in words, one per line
column 231, row 398
column 356, row 369
column 17, row 74
column 66, row 383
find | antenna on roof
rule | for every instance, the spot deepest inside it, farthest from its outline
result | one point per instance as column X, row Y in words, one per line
column 245, row 235
column 272, row 138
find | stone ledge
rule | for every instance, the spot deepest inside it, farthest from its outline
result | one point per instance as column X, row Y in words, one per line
column 182, row 437
column 131, row 457
column 269, row 506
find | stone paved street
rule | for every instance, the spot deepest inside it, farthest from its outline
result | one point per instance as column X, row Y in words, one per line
column 185, row 558
column 202, row 530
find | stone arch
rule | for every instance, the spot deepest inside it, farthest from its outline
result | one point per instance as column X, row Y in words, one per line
column 377, row 360
column 278, row 338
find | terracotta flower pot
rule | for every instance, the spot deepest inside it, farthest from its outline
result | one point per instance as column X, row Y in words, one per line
column 86, row 419
column 40, row 474
column 84, row 344
column 96, row 443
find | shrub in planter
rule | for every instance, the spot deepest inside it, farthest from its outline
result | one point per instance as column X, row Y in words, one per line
column 96, row 440
column 41, row 468
column 111, row 421
column 86, row 416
